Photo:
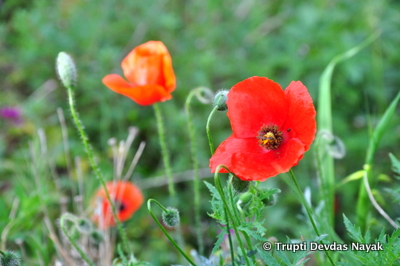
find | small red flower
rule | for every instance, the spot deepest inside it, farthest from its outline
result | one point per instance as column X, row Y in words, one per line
column 272, row 129
column 126, row 197
column 148, row 69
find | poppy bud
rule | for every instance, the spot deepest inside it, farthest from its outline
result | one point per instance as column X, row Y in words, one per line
column 245, row 198
column 244, row 202
column 269, row 200
column 220, row 100
column 66, row 70
column 171, row 217
column 10, row 258
column 239, row 185
column 84, row 226
column 96, row 237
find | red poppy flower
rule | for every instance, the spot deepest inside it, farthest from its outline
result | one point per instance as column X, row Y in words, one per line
column 126, row 197
column 148, row 69
column 272, row 129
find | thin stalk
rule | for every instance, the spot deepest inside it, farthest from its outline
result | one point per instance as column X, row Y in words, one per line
column 229, row 236
column 218, row 185
column 70, row 217
column 96, row 169
column 164, row 150
column 165, row 231
column 246, row 236
column 309, row 210
column 196, row 179
column 374, row 202
column 210, row 141
column 324, row 122
column 382, row 127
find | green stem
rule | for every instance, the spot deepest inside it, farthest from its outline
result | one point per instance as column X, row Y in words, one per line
column 210, row 141
column 164, row 150
column 363, row 202
column 246, row 236
column 309, row 210
column 163, row 229
column 218, row 185
column 96, row 169
column 229, row 236
column 70, row 217
column 196, row 180
column 2, row 253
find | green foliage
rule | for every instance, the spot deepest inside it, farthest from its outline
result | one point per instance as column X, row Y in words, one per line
column 389, row 255
column 394, row 192
column 214, row 44
column 250, row 216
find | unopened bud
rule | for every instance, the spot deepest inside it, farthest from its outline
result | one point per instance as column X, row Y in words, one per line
column 66, row 70
column 220, row 100
column 171, row 217
column 84, row 226
column 96, row 237
column 269, row 200
column 245, row 198
column 9, row 258
column 239, row 185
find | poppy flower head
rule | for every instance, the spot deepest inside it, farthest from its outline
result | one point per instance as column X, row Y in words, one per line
column 148, row 69
column 127, row 199
column 272, row 129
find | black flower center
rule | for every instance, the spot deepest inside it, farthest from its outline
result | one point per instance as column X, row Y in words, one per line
column 270, row 137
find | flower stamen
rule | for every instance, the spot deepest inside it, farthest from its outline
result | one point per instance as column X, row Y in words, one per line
column 270, row 137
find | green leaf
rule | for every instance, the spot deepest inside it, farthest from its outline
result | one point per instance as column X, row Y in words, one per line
column 267, row 258
column 353, row 232
column 395, row 165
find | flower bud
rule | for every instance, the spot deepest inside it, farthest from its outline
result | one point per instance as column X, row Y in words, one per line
column 245, row 198
column 239, row 185
column 84, row 226
column 220, row 100
column 66, row 70
column 96, row 237
column 244, row 202
column 171, row 217
column 9, row 258
column 269, row 200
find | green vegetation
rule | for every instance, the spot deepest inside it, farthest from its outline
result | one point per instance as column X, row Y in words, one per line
column 213, row 44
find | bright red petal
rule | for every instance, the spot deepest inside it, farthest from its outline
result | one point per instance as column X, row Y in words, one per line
column 117, row 83
column 150, row 64
column 149, row 94
column 251, row 165
column 249, row 161
column 169, row 76
column 143, row 95
column 124, row 193
column 255, row 102
column 301, row 113
column 223, row 154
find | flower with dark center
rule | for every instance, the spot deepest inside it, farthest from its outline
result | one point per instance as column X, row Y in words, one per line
column 127, row 199
column 272, row 129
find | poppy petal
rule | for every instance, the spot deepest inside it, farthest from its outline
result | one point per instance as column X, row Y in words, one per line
column 148, row 94
column 301, row 113
column 250, row 165
column 255, row 102
column 223, row 154
column 116, row 83
column 150, row 64
column 124, row 193
column 169, row 76
column 143, row 95
column 249, row 161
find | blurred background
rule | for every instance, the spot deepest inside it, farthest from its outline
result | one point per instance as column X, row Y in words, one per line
column 213, row 44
